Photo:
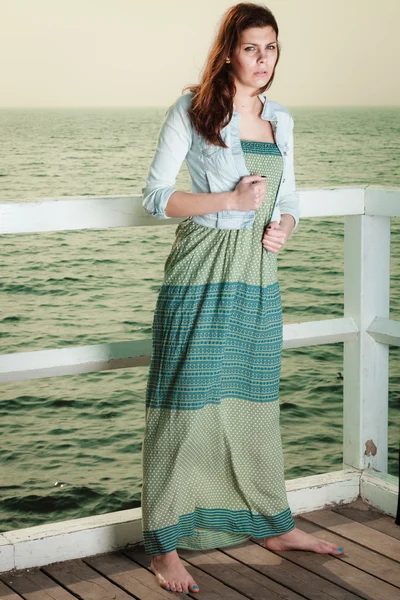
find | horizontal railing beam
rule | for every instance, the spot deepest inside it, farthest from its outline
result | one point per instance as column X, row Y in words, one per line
column 385, row 331
column 333, row 202
column 65, row 214
column 312, row 333
column 382, row 202
column 23, row 366
column 105, row 212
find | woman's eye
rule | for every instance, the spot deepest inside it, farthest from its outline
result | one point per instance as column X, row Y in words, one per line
column 252, row 48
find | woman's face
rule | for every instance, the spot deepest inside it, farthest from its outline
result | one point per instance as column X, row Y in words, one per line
column 254, row 58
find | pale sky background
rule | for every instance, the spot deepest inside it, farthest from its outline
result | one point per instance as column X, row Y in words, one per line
column 99, row 53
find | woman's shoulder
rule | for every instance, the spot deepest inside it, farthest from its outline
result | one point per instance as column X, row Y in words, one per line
column 183, row 101
column 177, row 112
column 282, row 110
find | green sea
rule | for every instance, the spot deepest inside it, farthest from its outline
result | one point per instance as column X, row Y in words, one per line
column 71, row 446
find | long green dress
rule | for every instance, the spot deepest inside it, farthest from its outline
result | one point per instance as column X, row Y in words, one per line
column 213, row 470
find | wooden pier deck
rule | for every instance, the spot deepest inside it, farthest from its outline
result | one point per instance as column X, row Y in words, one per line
column 369, row 567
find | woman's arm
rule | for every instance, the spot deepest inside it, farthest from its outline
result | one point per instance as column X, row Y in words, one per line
column 289, row 201
column 288, row 223
column 186, row 204
column 173, row 144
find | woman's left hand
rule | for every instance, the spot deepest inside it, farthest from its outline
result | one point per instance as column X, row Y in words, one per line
column 274, row 237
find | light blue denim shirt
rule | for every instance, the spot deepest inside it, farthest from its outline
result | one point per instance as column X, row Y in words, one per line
column 216, row 169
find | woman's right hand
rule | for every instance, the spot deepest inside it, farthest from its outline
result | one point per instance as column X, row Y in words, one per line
column 249, row 193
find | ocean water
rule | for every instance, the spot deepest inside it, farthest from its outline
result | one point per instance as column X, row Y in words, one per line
column 71, row 446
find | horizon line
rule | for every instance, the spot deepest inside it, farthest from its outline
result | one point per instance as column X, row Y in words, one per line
column 166, row 106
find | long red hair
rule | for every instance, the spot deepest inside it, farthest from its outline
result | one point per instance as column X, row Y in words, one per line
column 212, row 102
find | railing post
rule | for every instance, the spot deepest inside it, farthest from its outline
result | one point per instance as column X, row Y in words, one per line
column 366, row 362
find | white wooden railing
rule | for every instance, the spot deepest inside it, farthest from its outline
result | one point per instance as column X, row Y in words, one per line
column 365, row 330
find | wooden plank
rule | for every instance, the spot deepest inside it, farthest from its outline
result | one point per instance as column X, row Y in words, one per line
column 240, row 576
column 33, row 584
column 129, row 575
column 362, row 513
column 358, row 556
column 209, row 588
column 83, row 581
column 341, row 573
column 7, row 594
column 357, row 532
column 286, row 573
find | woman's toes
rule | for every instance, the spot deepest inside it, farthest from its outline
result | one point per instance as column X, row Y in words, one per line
column 162, row 581
column 165, row 585
column 333, row 548
column 193, row 587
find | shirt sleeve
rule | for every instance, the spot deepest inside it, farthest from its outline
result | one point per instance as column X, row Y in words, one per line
column 173, row 143
column 289, row 200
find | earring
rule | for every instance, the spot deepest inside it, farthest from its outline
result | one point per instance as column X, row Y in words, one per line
column 228, row 60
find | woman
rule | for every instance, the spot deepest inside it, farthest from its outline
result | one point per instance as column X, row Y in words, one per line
column 213, row 472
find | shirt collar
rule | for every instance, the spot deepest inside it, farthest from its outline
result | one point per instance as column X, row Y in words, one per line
column 267, row 113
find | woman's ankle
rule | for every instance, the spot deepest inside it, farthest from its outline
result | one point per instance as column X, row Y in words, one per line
column 165, row 555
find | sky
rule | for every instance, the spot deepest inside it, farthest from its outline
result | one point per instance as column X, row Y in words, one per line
column 120, row 53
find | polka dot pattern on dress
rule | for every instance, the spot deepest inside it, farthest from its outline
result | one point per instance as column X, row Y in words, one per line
column 213, row 472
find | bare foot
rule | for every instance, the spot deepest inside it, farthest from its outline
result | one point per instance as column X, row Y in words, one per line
column 300, row 540
column 171, row 574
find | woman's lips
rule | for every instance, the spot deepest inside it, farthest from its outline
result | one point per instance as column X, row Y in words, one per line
column 260, row 74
